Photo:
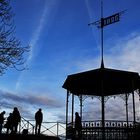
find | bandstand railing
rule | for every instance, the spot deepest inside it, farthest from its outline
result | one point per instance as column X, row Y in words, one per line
column 114, row 130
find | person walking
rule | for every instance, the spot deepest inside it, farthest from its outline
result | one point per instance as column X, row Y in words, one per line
column 16, row 118
column 38, row 120
column 1, row 120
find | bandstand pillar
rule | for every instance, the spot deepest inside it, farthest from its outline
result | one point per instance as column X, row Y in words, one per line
column 133, row 98
column 67, row 101
column 81, row 105
column 126, row 103
column 103, row 113
column 134, row 116
column 72, row 113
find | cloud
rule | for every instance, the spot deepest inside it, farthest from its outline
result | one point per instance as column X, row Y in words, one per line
column 115, row 109
column 8, row 99
column 5, row 104
column 122, row 53
column 125, row 54
column 29, row 104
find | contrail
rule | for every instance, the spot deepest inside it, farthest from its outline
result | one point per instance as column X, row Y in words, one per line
column 38, row 32
column 49, row 8
column 92, row 15
column 88, row 9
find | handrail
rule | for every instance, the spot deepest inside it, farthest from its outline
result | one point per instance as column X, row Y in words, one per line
column 59, row 128
column 108, row 123
column 26, row 124
column 114, row 129
column 47, row 128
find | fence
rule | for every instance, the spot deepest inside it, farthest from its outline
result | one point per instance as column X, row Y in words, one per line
column 113, row 130
column 47, row 128
column 120, row 130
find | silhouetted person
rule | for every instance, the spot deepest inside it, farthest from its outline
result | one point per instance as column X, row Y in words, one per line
column 78, row 125
column 1, row 120
column 9, row 123
column 38, row 119
column 15, row 119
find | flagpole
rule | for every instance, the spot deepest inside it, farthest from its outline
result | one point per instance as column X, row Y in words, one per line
column 102, row 84
column 104, row 22
column 102, row 37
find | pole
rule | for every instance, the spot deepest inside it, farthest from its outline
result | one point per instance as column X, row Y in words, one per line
column 126, row 102
column 81, row 105
column 103, row 118
column 102, row 66
column 67, row 100
column 102, row 37
column 103, row 112
column 57, row 128
column 72, row 108
column 133, row 98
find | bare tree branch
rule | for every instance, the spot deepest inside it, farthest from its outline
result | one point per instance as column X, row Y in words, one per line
column 12, row 53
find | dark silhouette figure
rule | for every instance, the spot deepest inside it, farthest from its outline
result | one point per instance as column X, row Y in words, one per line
column 9, row 123
column 1, row 120
column 78, row 125
column 15, row 119
column 38, row 119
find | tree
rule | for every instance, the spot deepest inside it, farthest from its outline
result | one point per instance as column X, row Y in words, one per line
column 12, row 53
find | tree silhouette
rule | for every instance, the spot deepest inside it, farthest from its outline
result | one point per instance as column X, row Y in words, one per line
column 12, row 53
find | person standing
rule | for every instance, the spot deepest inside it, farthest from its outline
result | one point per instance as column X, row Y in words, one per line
column 16, row 118
column 1, row 120
column 78, row 125
column 38, row 120
column 9, row 123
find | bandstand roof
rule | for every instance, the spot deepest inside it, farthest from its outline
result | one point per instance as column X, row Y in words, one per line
column 102, row 81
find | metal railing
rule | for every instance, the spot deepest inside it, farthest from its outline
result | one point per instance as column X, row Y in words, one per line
column 57, row 129
column 26, row 125
column 90, row 129
column 120, row 130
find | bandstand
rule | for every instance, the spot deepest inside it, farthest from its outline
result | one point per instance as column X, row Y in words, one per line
column 102, row 82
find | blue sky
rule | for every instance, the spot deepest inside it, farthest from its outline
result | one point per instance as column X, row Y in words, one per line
column 62, row 43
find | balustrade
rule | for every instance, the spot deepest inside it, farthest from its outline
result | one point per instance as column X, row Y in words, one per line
column 120, row 130
column 57, row 129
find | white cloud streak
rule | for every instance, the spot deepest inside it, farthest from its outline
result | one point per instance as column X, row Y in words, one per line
column 46, row 18
column 123, row 54
column 38, row 31
column 44, row 21
column 9, row 98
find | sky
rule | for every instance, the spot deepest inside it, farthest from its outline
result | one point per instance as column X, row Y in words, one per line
column 62, row 43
